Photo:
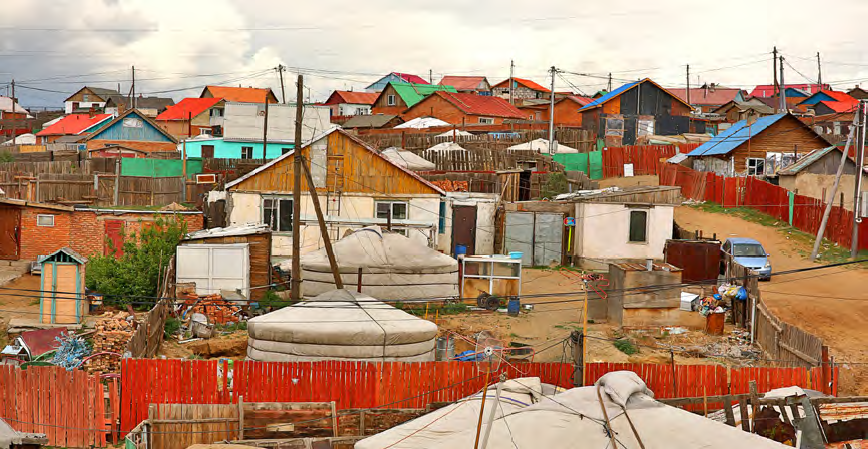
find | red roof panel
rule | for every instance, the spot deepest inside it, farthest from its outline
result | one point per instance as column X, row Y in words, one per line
column 524, row 82
column 462, row 82
column 481, row 105
column 712, row 96
column 188, row 107
column 242, row 94
column 410, row 78
column 841, row 106
column 768, row 90
column 73, row 124
column 346, row 96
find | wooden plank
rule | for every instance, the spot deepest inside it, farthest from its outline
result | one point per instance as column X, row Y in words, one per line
column 727, row 409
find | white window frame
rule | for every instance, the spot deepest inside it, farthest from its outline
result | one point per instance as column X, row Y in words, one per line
column 486, row 121
column 630, row 222
column 274, row 223
column 247, row 148
column 392, row 204
column 753, row 171
column 40, row 217
column 391, row 100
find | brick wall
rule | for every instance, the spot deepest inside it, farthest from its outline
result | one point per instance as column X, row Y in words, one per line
column 39, row 240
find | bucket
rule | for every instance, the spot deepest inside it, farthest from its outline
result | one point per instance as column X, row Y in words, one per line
column 714, row 324
column 445, row 349
column 515, row 254
column 460, row 249
column 513, row 306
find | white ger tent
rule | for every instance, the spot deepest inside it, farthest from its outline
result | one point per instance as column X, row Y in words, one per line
column 446, row 147
column 455, row 133
column 574, row 419
column 542, row 146
column 422, row 123
column 407, row 159
column 394, row 267
column 340, row 325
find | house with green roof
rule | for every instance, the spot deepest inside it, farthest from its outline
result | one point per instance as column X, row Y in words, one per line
column 398, row 97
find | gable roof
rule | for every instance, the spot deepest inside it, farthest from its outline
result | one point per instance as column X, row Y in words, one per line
column 707, row 95
column 7, row 104
column 473, row 104
column 414, row 93
column 241, row 94
column 151, row 122
column 99, row 91
column 840, row 106
column 352, row 97
column 828, row 95
column 410, row 78
column 807, row 160
column 334, row 129
column 369, row 121
column 462, row 82
column 188, row 107
column 524, row 82
column 767, row 90
column 74, row 124
column 583, row 101
column 140, row 102
column 737, row 134
column 620, row 90
column 65, row 250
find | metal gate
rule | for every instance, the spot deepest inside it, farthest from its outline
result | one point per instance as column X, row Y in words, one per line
column 10, row 218
column 539, row 236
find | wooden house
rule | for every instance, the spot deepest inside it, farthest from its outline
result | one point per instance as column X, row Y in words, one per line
column 710, row 96
column 132, row 129
column 343, row 102
column 397, row 97
column 566, row 111
column 858, row 93
column 464, row 109
column 239, row 94
column 356, row 187
column 62, row 284
column 194, row 116
column 638, row 109
column 756, row 147
column 88, row 98
column 735, row 111
column 149, row 106
column 814, row 173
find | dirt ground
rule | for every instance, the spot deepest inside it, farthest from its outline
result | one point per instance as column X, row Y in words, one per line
column 830, row 303
column 231, row 346
column 19, row 304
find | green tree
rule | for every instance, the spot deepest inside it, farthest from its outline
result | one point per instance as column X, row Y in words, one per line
column 555, row 185
column 146, row 255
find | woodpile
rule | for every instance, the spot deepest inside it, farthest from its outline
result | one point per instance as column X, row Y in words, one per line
column 217, row 309
column 112, row 334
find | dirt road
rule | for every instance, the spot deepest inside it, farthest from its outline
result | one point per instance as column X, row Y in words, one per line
column 830, row 303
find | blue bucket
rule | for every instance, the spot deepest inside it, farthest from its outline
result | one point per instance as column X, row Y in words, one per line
column 513, row 306
column 515, row 254
column 460, row 249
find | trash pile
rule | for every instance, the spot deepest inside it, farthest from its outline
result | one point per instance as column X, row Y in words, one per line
column 719, row 302
column 71, row 351
column 113, row 334
column 199, row 314
column 214, row 307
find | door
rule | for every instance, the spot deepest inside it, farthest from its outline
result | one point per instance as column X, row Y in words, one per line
column 114, row 233
column 215, row 267
column 65, row 310
column 464, row 227
column 548, row 234
column 518, row 235
column 208, row 151
column 10, row 217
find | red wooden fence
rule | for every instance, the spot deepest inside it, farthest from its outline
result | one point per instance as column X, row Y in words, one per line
column 646, row 159
column 67, row 406
column 349, row 384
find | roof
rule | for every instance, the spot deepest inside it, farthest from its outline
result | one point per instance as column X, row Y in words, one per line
column 620, row 90
column 410, row 78
column 369, row 121
column 541, row 146
column 241, row 94
column 526, row 83
column 141, row 102
column 808, row 160
column 462, row 82
column 840, row 106
column 767, row 90
column 414, row 93
column 352, row 97
column 736, row 135
column 100, row 91
column 39, row 342
column 407, row 159
column 95, row 135
column 230, row 231
column 8, row 105
column 473, row 104
column 423, row 122
column 584, row 101
column 323, row 135
column 74, row 124
column 707, row 95
column 188, row 107
column 68, row 251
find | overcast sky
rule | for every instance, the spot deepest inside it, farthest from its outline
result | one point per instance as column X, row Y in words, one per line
column 59, row 45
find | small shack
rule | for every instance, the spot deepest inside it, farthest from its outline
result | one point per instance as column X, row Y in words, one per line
column 231, row 258
column 699, row 259
column 632, row 306
column 814, row 174
column 63, row 300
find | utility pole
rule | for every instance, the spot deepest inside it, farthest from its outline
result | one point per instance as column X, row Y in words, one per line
column 14, row 112
column 133, row 100
column 552, row 113
column 280, row 69
column 339, row 284
column 431, row 76
column 857, row 204
column 688, row 83
column 783, row 90
column 264, row 130
column 775, row 75
column 609, row 86
column 296, row 196
column 831, row 198
column 819, row 73
column 511, row 69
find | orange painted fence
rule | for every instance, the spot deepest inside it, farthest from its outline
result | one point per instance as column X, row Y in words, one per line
column 646, row 159
column 69, row 407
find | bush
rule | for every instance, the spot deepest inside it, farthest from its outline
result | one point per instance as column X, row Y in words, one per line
column 454, row 308
column 626, row 346
column 143, row 264
column 171, row 328
column 6, row 156
column 273, row 301
column 555, row 185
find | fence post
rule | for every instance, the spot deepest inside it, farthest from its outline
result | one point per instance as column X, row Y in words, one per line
column 578, row 361
column 825, row 370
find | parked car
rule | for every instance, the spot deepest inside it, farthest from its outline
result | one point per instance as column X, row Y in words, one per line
column 748, row 253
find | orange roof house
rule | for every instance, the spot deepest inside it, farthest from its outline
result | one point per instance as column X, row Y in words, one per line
column 523, row 89
column 239, row 94
column 192, row 115
column 464, row 109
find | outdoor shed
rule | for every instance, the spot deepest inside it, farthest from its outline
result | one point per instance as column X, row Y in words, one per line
column 814, row 174
column 250, row 241
column 629, row 307
column 62, row 285
column 340, row 325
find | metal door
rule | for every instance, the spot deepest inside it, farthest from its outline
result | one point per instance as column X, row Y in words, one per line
column 518, row 235
column 464, row 227
column 10, row 217
column 548, row 232
column 214, row 267
column 114, row 233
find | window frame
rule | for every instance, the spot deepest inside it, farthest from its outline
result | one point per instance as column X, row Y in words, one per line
column 486, row 120
column 391, row 100
column 40, row 216
column 630, row 226
column 392, row 203
column 280, row 202
column 247, row 148
column 748, row 167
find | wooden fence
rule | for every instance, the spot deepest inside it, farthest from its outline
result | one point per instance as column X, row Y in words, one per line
column 69, row 407
column 417, row 141
column 146, row 340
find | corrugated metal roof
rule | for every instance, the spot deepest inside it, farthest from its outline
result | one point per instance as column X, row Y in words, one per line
column 188, row 107
column 841, row 106
column 736, row 135
column 532, row 85
column 73, row 124
column 599, row 101
column 481, row 105
column 413, row 93
column 352, row 97
column 410, row 78
column 242, row 94
column 808, row 159
column 462, row 82
column 708, row 95
column 230, row 231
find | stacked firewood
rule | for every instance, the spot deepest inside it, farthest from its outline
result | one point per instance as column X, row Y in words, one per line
column 112, row 335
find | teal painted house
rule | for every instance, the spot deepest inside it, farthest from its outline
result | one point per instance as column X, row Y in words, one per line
column 132, row 129
column 233, row 149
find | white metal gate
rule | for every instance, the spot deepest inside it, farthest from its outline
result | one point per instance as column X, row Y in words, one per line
column 215, row 267
column 538, row 235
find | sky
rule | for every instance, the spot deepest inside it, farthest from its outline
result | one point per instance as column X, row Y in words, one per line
column 54, row 47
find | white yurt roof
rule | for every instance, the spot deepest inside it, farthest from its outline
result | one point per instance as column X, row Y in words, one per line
column 574, row 419
column 422, row 122
column 23, row 139
column 446, row 147
column 407, row 159
column 340, row 324
column 457, row 133
column 542, row 146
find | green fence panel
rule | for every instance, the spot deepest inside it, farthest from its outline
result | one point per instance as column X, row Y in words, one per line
column 596, row 161
column 160, row 168
column 573, row 161
column 792, row 200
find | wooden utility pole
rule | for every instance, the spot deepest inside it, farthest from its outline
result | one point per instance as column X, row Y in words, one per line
column 584, row 330
column 857, row 205
column 609, row 86
column 783, row 90
column 296, row 196
column 14, row 114
column 578, row 361
column 133, row 100
column 280, row 69
column 775, row 75
column 339, row 284
column 819, row 73
column 511, row 69
column 552, row 113
column 688, row 83
column 264, row 130
column 431, row 76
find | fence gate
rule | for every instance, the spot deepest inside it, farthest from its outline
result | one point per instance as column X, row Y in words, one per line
column 10, row 217
column 539, row 235
column 518, row 235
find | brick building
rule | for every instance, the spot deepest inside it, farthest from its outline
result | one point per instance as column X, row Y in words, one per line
column 464, row 109
column 566, row 111
column 33, row 229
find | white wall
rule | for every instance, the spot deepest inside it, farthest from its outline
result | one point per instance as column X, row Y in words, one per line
column 354, row 109
column 246, row 121
column 82, row 105
column 603, row 231
column 486, row 206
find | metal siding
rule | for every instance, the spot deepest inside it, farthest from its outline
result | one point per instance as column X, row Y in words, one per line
column 214, row 267
column 118, row 131
column 518, row 235
column 548, row 239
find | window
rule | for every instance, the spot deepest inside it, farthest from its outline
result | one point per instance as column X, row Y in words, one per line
column 85, row 98
column 277, row 213
column 208, row 151
column 246, row 152
column 396, row 209
column 391, row 100
column 638, row 226
column 204, row 131
column 644, row 127
column 486, row 120
column 442, row 222
column 615, row 126
column 756, row 166
column 45, row 220
column 132, row 122
column 216, row 112
column 285, row 150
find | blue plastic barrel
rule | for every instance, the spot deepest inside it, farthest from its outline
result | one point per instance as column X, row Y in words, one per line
column 460, row 249
column 513, row 306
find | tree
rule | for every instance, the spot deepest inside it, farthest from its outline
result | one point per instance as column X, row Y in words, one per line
column 555, row 185
column 146, row 255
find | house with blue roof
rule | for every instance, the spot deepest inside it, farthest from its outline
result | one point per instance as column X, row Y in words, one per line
column 757, row 146
column 638, row 109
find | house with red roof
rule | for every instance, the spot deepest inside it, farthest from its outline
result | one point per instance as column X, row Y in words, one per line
column 464, row 109
column 566, row 111
column 193, row 117
column 395, row 77
column 72, row 125
column 468, row 84
column 239, row 94
column 768, row 90
column 345, row 102
column 710, row 96
column 523, row 89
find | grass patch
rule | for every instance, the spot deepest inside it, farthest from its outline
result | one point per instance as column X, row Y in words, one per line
column 454, row 308
column 571, row 326
column 626, row 346
column 232, row 327
column 171, row 328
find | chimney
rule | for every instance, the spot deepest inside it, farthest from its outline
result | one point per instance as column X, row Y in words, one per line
column 91, row 112
column 649, row 264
